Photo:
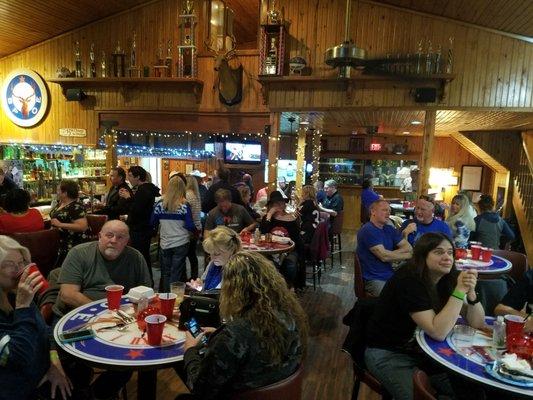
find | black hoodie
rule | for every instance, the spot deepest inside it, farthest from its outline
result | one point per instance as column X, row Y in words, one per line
column 142, row 206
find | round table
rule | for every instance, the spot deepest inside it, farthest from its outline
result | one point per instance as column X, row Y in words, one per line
column 269, row 248
column 463, row 361
column 497, row 265
column 121, row 350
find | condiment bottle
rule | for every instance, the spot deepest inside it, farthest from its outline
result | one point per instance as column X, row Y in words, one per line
column 498, row 333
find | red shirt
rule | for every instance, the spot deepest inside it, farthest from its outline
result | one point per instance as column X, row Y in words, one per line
column 32, row 221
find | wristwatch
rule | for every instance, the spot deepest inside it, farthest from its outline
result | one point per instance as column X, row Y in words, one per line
column 474, row 302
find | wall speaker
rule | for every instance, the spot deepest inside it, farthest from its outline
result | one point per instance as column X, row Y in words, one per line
column 425, row 95
column 75, row 95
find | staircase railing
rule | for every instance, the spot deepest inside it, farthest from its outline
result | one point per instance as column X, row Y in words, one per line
column 524, row 184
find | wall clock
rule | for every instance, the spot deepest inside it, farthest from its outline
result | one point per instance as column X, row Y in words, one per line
column 24, row 97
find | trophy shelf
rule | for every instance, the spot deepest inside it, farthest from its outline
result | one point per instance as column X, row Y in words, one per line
column 130, row 83
column 377, row 155
column 362, row 80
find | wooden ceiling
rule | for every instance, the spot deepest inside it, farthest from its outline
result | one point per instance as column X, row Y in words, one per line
column 398, row 122
column 513, row 16
column 25, row 23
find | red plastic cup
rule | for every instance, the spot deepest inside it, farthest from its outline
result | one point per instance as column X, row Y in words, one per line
column 514, row 325
column 154, row 328
column 521, row 344
column 476, row 251
column 33, row 268
column 486, row 254
column 405, row 204
column 167, row 301
column 460, row 253
column 114, row 294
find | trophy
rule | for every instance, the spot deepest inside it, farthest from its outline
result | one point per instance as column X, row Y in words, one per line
column 449, row 62
column 160, row 67
column 103, row 66
column 438, row 60
column 118, row 61
column 168, row 59
column 93, row 62
column 77, row 57
column 186, row 66
column 418, row 58
column 134, row 70
column 429, row 59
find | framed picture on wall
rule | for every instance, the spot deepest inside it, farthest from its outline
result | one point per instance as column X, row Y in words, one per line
column 471, row 177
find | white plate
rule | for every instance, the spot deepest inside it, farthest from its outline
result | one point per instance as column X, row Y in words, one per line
column 281, row 239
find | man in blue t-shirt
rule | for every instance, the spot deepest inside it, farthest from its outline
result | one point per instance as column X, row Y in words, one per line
column 378, row 245
column 424, row 222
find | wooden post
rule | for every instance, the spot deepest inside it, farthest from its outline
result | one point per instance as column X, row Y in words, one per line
column 273, row 151
column 317, row 137
column 111, row 154
column 427, row 150
column 300, row 160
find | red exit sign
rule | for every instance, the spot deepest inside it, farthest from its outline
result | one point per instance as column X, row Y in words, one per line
column 375, row 146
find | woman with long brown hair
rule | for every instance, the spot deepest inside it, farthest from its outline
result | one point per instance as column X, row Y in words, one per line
column 264, row 338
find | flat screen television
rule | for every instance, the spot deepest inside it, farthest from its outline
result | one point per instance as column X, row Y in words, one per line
column 242, row 152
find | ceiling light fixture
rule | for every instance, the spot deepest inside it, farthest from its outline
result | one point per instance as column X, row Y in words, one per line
column 406, row 132
column 416, row 122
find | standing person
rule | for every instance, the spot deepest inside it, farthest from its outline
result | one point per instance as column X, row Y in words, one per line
column 320, row 193
column 263, row 341
column 222, row 183
column 368, row 194
column 460, row 221
column 193, row 196
column 279, row 222
column 309, row 213
column 282, row 186
column 116, row 205
column 202, row 189
column 247, row 179
column 140, row 211
column 490, row 227
column 69, row 216
column 428, row 293
column 18, row 216
column 174, row 216
column 424, row 221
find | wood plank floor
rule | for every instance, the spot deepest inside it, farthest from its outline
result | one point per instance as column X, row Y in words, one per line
column 328, row 371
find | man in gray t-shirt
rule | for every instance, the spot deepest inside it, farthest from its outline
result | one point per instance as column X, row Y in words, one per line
column 226, row 213
column 90, row 267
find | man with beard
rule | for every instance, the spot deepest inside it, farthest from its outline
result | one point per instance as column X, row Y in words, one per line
column 87, row 270
column 90, row 267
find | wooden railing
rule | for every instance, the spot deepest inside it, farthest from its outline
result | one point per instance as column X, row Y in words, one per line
column 524, row 183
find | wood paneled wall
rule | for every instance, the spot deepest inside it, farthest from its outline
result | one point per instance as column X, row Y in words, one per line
column 492, row 70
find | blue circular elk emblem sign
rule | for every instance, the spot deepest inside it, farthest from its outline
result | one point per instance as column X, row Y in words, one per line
column 24, row 97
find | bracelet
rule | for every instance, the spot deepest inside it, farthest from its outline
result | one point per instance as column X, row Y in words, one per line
column 473, row 302
column 53, row 355
column 458, row 295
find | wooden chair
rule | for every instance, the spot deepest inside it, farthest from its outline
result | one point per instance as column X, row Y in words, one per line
column 95, row 223
column 288, row 388
column 422, row 389
column 519, row 261
column 43, row 246
column 316, row 252
column 335, row 232
column 359, row 284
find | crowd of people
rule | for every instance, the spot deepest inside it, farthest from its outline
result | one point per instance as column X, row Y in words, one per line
column 410, row 270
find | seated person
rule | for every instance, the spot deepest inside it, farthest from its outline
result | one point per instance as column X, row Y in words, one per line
column 263, row 341
column 333, row 203
column 221, row 244
column 428, row 293
column 28, row 358
column 88, row 269
column 424, row 221
column 278, row 221
column 234, row 216
column 19, row 217
column 309, row 213
column 490, row 227
column 246, row 196
column 378, row 245
column 519, row 300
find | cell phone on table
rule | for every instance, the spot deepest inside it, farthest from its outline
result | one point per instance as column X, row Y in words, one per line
column 193, row 327
column 69, row 337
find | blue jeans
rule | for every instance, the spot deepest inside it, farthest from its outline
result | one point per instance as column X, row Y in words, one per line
column 173, row 265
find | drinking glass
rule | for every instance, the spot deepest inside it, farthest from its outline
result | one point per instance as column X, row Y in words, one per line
column 178, row 288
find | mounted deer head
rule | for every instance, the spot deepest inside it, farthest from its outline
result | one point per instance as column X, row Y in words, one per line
column 222, row 43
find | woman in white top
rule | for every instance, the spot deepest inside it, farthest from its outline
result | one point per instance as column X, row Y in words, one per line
column 460, row 221
column 193, row 198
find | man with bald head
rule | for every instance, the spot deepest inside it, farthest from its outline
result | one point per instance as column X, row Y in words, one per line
column 90, row 267
column 424, row 221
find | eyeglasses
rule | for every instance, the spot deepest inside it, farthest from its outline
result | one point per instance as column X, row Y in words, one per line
column 13, row 267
